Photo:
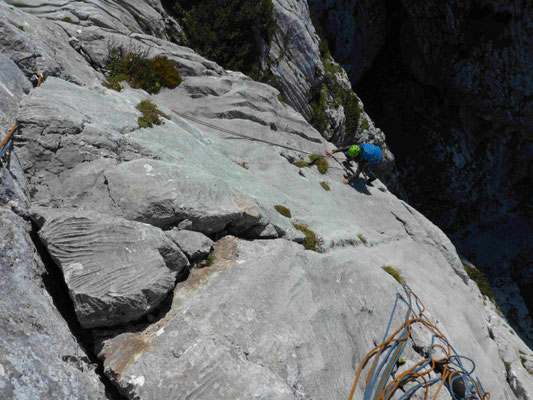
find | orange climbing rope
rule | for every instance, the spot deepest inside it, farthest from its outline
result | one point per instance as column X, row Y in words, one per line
column 380, row 382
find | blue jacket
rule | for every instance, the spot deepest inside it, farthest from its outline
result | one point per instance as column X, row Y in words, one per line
column 370, row 153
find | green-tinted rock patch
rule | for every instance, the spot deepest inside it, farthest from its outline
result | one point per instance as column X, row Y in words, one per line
column 325, row 186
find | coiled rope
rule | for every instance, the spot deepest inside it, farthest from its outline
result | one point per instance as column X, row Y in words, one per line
column 380, row 382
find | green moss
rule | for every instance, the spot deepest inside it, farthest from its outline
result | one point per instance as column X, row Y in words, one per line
column 365, row 125
column 325, row 186
column 481, row 281
column 395, row 273
column 151, row 114
column 231, row 34
column 280, row 98
column 401, row 361
column 311, row 241
column 141, row 72
column 283, row 211
column 301, row 164
column 362, row 239
column 210, row 260
column 321, row 163
column 69, row 20
column 21, row 28
column 243, row 165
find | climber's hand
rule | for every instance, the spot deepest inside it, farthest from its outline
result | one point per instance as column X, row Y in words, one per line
column 329, row 152
column 345, row 181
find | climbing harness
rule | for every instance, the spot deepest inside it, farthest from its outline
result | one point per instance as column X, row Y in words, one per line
column 381, row 383
column 7, row 144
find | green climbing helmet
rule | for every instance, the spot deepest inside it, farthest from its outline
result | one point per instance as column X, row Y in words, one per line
column 354, row 151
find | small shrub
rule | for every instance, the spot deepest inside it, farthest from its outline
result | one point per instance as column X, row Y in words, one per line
column 365, row 125
column 280, row 98
column 301, row 164
column 21, row 28
column 243, row 165
column 325, row 186
column 481, row 281
column 150, row 115
column 362, row 239
column 134, row 66
column 395, row 273
column 209, row 260
column 321, row 163
column 311, row 241
column 401, row 361
column 231, row 33
column 318, row 106
column 283, row 211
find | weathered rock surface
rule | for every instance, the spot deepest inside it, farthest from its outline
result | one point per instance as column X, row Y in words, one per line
column 268, row 319
column 195, row 245
column 116, row 270
column 271, row 320
column 39, row 357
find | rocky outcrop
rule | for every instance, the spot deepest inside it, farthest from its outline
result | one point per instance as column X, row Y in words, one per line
column 195, row 245
column 116, row 270
column 265, row 317
column 39, row 357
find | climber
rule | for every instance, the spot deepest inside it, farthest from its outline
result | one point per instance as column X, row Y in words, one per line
column 367, row 154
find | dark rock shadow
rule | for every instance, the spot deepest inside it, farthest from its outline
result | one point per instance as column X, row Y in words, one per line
column 360, row 185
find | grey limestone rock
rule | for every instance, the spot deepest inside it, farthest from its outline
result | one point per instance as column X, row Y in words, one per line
column 39, row 357
column 195, row 245
column 271, row 320
column 116, row 270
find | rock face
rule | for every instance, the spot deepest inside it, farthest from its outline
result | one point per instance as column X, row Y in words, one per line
column 451, row 87
column 267, row 319
column 195, row 245
column 39, row 357
column 116, row 270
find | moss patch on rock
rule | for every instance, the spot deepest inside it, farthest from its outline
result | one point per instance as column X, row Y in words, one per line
column 151, row 114
column 301, row 164
column 283, row 211
column 325, row 186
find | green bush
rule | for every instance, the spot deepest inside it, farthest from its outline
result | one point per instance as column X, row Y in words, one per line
column 395, row 273
column 283, row 211
column 318, row 105
column 229, row 32
column 365, row 124
column 325, row 186
column 150, row 115
column 311, row 241
column 481, row 281
column 141, row 72
column 321, row 163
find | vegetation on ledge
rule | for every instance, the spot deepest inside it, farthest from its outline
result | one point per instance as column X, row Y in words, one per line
column 151, row 114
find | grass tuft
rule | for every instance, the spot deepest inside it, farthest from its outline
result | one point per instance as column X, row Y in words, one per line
column 150, row 115
column 395, row 273
column 311, row 241
column 283, row 211
column 362, row 239
column 481, row 281
column 321, row 163
column 325, row 186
